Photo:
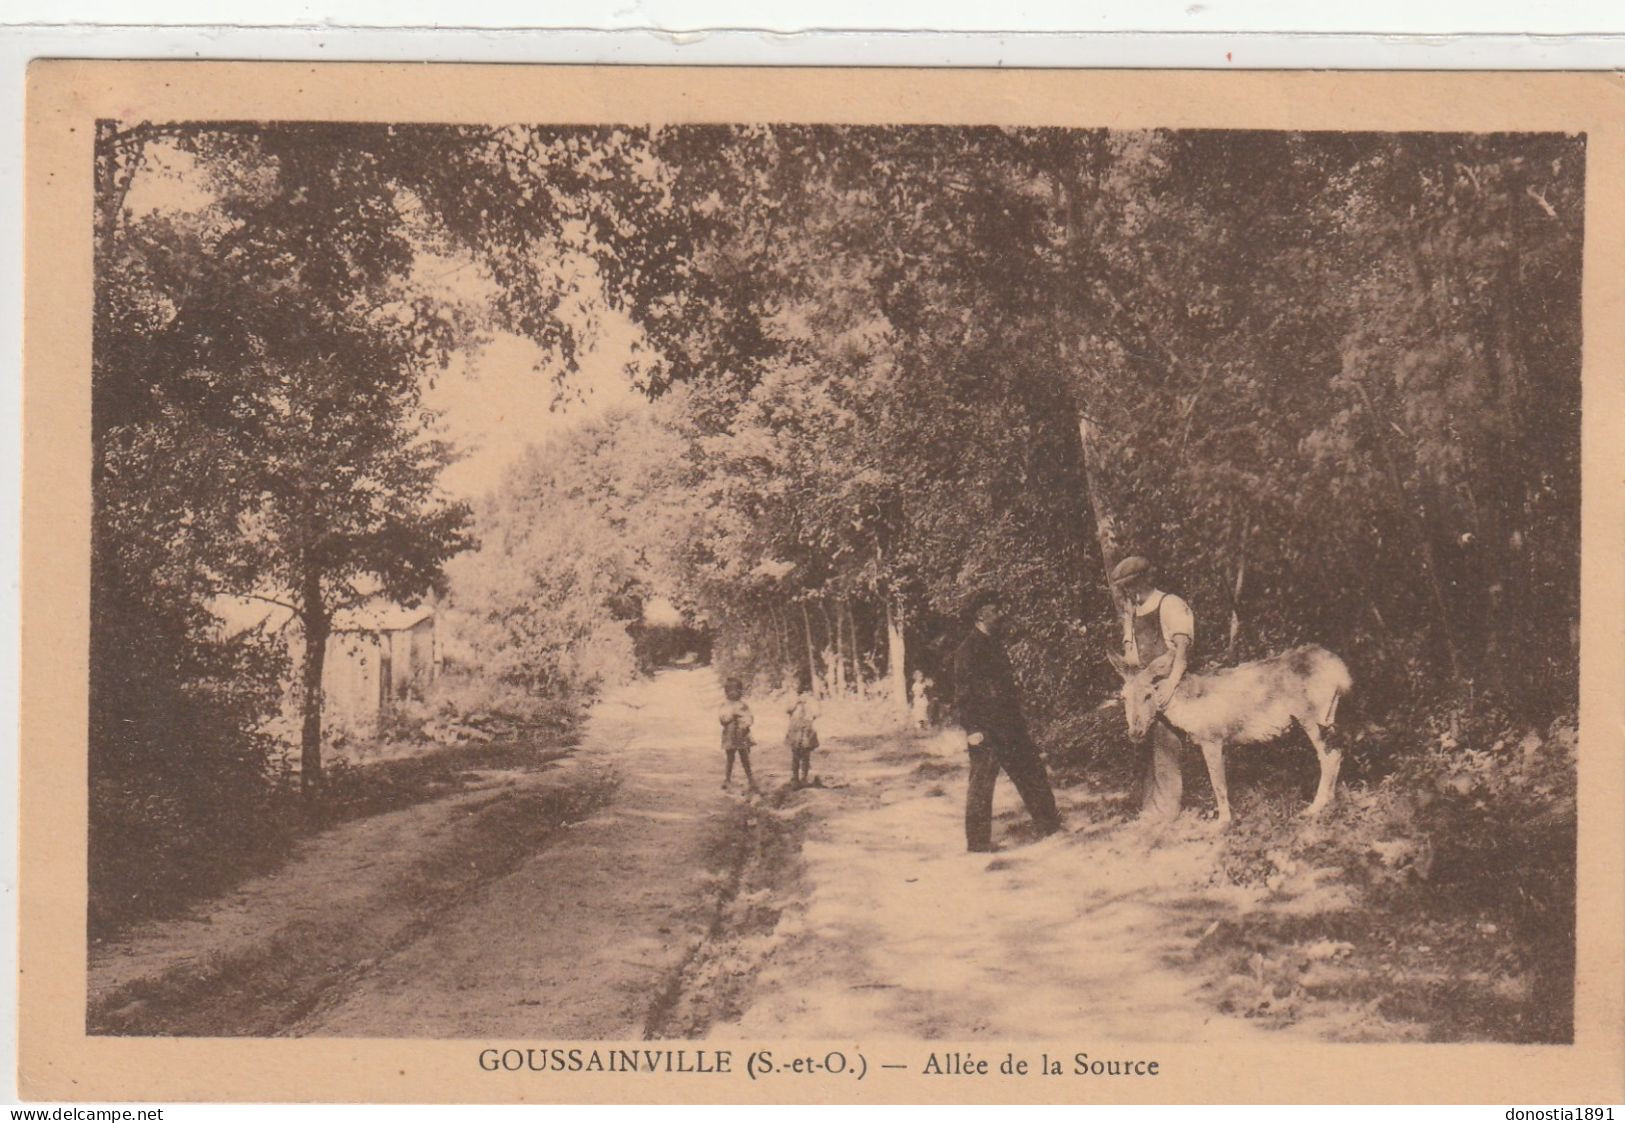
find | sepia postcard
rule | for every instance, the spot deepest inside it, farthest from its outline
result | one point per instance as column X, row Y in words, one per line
column 657, row 584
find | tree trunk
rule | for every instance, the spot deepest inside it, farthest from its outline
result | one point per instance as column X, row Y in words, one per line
column 781, row 625
column 880, row 641
column 814, row 684
column 317, row 626
column 108, row 200
column 1419, row 530
column 1235, row 600
column 771, row 627
column 842, row 653
column 854, row 669
column 855, row 674
column 119, row 156
column 896, row 659
column 1105, row 521
column 836, row 670
column 1066, row 199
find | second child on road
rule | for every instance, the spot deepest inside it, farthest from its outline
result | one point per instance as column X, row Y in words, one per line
column 802, row 737
column 919, row 708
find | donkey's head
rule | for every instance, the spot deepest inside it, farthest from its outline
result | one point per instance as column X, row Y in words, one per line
column 1138, row 705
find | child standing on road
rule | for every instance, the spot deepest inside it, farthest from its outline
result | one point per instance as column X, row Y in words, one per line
column 802, row 737
column 736, row 721
column 919, row 710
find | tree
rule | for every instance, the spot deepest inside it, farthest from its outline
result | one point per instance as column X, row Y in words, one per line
column 265, row 354
column 577, row 542
column 347, row 510
column 1192, row 305
column 839, row 382
column 908, row 361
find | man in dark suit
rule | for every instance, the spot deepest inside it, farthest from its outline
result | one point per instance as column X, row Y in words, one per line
column 988, row 709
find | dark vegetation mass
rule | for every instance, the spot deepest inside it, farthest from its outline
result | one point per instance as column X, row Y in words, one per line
column 1331, row 382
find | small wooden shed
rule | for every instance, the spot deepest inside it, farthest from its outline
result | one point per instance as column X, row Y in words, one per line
column 379, row 653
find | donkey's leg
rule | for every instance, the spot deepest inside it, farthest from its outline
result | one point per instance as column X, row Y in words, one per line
column 1331, row 760
column 1213, row 753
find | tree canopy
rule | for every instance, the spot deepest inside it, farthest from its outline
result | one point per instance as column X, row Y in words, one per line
column 1330, row 382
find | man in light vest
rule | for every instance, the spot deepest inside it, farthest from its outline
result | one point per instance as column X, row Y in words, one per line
column 1158, row 630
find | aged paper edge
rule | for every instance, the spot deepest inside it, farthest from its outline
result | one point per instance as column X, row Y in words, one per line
column 57, row 1060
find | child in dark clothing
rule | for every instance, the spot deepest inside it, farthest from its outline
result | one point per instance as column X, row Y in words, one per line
column 736, row 720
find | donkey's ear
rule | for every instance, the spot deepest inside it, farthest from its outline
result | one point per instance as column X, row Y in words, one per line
column 1118, row 665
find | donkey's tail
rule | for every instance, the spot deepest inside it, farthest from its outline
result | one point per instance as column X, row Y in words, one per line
column 1341, row 683
column 1330, row 718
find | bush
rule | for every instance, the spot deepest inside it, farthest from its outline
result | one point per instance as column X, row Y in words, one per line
column 1463, row 858
column 1497, row 804
column 469, row 695
column 186, row 792
column 157, row 845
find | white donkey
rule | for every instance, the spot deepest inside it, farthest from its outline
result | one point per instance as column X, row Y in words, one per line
column 1248, row 704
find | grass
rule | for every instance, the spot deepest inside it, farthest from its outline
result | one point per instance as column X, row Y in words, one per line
column 1401, row 942
column 168, row 865
column 755, row 857
column 355, row 791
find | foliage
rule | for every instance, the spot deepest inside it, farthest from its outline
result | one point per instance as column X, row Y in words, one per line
column 577, row 533
column 1330, row 382
column 1305, row 366
column 184, row 792
column 1308, row 363
column 1458, row 866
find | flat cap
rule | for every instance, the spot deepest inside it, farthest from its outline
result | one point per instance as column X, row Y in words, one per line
column 1130, row 567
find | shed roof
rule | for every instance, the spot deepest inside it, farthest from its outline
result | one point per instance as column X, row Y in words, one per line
column 241, row 614
column 381, row 616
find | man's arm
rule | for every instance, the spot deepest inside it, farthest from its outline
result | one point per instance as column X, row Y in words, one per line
column 1178, row 632
column 967, row 681
column 1176, row 657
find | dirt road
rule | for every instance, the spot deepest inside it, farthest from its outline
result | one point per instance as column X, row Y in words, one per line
column 579, row 940
column 560, row 896
column 619, row 893
column 894, row 931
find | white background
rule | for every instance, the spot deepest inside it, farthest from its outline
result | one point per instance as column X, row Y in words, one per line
column 1486, row 34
